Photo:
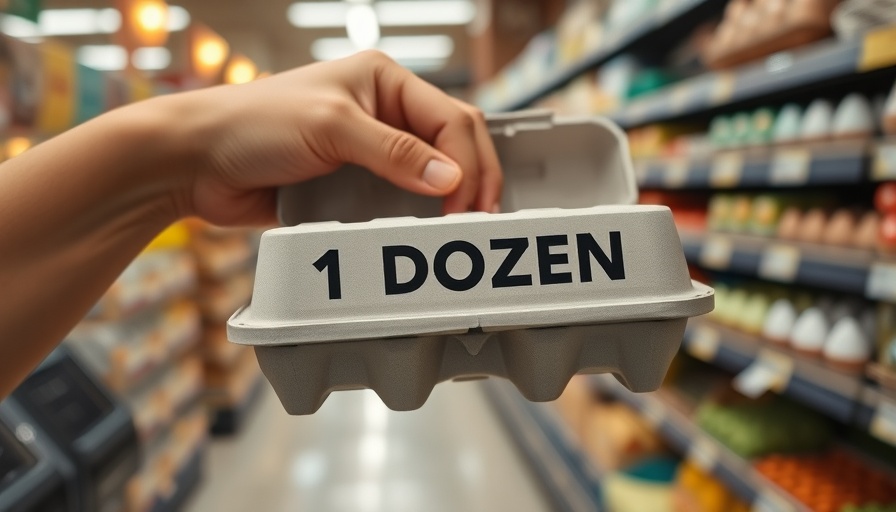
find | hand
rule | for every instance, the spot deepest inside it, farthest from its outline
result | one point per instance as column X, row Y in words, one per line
column 304, row 123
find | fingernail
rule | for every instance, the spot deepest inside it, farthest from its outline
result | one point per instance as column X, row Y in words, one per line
column 496, row 208
column 440, row 175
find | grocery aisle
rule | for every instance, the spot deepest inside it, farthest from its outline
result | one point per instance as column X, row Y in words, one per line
column 357, row 455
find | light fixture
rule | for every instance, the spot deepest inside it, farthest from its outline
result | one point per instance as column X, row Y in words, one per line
column 240, row 70
column 151, row 58
column 144, row 22
column 208, row 52
column 112, row 57
column 15, row 146
column 103, row 57
column 390, row 13
column 77, row 22
column 362, row 26
column 414, row 52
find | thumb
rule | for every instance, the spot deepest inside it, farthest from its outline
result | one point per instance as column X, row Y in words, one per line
column 400, row 157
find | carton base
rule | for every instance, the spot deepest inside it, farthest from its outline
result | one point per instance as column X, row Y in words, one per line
column 540, row 362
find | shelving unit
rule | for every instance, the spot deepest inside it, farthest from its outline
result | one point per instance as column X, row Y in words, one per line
column 683, row 436
column 844, row 163
column 838, row 269
column 835, row 394
column 671, row 15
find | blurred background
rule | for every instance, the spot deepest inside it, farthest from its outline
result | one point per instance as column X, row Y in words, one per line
column 767, row 126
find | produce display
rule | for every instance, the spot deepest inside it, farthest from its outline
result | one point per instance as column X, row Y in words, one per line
column 752, row 428
column 696, row 490
column 833, row 481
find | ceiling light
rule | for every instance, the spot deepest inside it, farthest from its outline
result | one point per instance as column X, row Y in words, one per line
column 425, row 12
column 240, row 70
column 390, row 13
column 152, row 16
column 151, row 58
column 362, row 26
column 419, row 53
column 105, row 57
column 20, row 28
column 77, row 22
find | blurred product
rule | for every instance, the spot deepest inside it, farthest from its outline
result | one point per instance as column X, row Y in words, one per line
column 809, row 332
column 854, row 118
column 648, row 485
column 817, row 121
column 787, row 124
column 846, row 346
column 779, row 321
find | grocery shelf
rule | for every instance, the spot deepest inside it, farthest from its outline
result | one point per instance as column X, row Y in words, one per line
column 676, row 15
column 877, row 414
column 883, row 167
column 824, row 62
column 837, row 269
column 572, row 482
column 833, row 163
column 829, row 391
column 685, row 437
column 185, row 483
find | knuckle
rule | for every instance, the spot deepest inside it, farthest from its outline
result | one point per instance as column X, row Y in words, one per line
column 376, row 57
column 333, row 111
column 400, row 148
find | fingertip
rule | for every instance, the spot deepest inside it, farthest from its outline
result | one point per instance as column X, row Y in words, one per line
column 441, row 175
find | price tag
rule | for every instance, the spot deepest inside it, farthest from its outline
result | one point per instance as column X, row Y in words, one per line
column 881, row 284
column 680, row 97
column 780, row 263
column 704, row 343
column 878, row 49
column 770, row 372
column 637, row 111
column 883, row 425
column 768, row 501
column 677, row 173
column 790, row 167
column 716, row 252
column 884, row 162
column 704, row 453
column 726, row 170
column 654, row 413
column 722, row 88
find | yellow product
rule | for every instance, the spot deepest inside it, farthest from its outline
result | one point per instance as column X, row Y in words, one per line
column 697, row 491
column 175, row 236
column 614, row 436
column 56, row 111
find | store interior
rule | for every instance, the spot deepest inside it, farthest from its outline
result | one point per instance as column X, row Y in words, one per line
column 768, row 127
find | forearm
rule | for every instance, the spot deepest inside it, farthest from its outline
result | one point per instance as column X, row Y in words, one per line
column 75, row 211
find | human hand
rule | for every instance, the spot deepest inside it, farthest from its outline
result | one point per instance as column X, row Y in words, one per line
column 305, row 123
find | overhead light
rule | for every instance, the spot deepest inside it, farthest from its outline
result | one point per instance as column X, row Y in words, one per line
column 362, row 26
column 425, row 12
column 424, row 53
column 20, row 28
column 240, row 70
column 104, row 57
column 208, row 52
column 153, row 58
column 78, row 22
column 113, row 57
column 390, row 13
column 15, row 146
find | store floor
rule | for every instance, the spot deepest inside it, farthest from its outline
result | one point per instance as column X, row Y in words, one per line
column 356, row 455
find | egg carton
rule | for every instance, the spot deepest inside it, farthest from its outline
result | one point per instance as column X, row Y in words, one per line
column 399, row 304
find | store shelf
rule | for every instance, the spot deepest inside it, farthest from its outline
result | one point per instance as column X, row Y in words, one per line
column 572, row 482
column 844, row 163
column 883, row 167
column 229, row 421
column 837, row 269
column 685, row 437
column 811, row 382
column 185, row 482
column 676, row 15
column 815, row 65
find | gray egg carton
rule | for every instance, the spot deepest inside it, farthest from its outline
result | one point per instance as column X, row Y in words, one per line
column 398, row 304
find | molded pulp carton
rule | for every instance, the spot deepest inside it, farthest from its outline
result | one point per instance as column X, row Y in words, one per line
column 400, row 303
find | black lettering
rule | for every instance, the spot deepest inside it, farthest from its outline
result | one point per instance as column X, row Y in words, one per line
column 613, row 266
column 440, row 266
column 546, row 260
column 330, row 261
column 502, row 277
column 390, row 274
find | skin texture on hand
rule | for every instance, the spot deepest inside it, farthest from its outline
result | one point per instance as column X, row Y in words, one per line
column 77, row 209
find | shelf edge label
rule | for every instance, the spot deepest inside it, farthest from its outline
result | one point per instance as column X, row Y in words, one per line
column 780, row 263
column 790, row 167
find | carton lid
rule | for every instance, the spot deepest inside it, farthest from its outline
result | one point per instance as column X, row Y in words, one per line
column 574, row 162
column 408, row 276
